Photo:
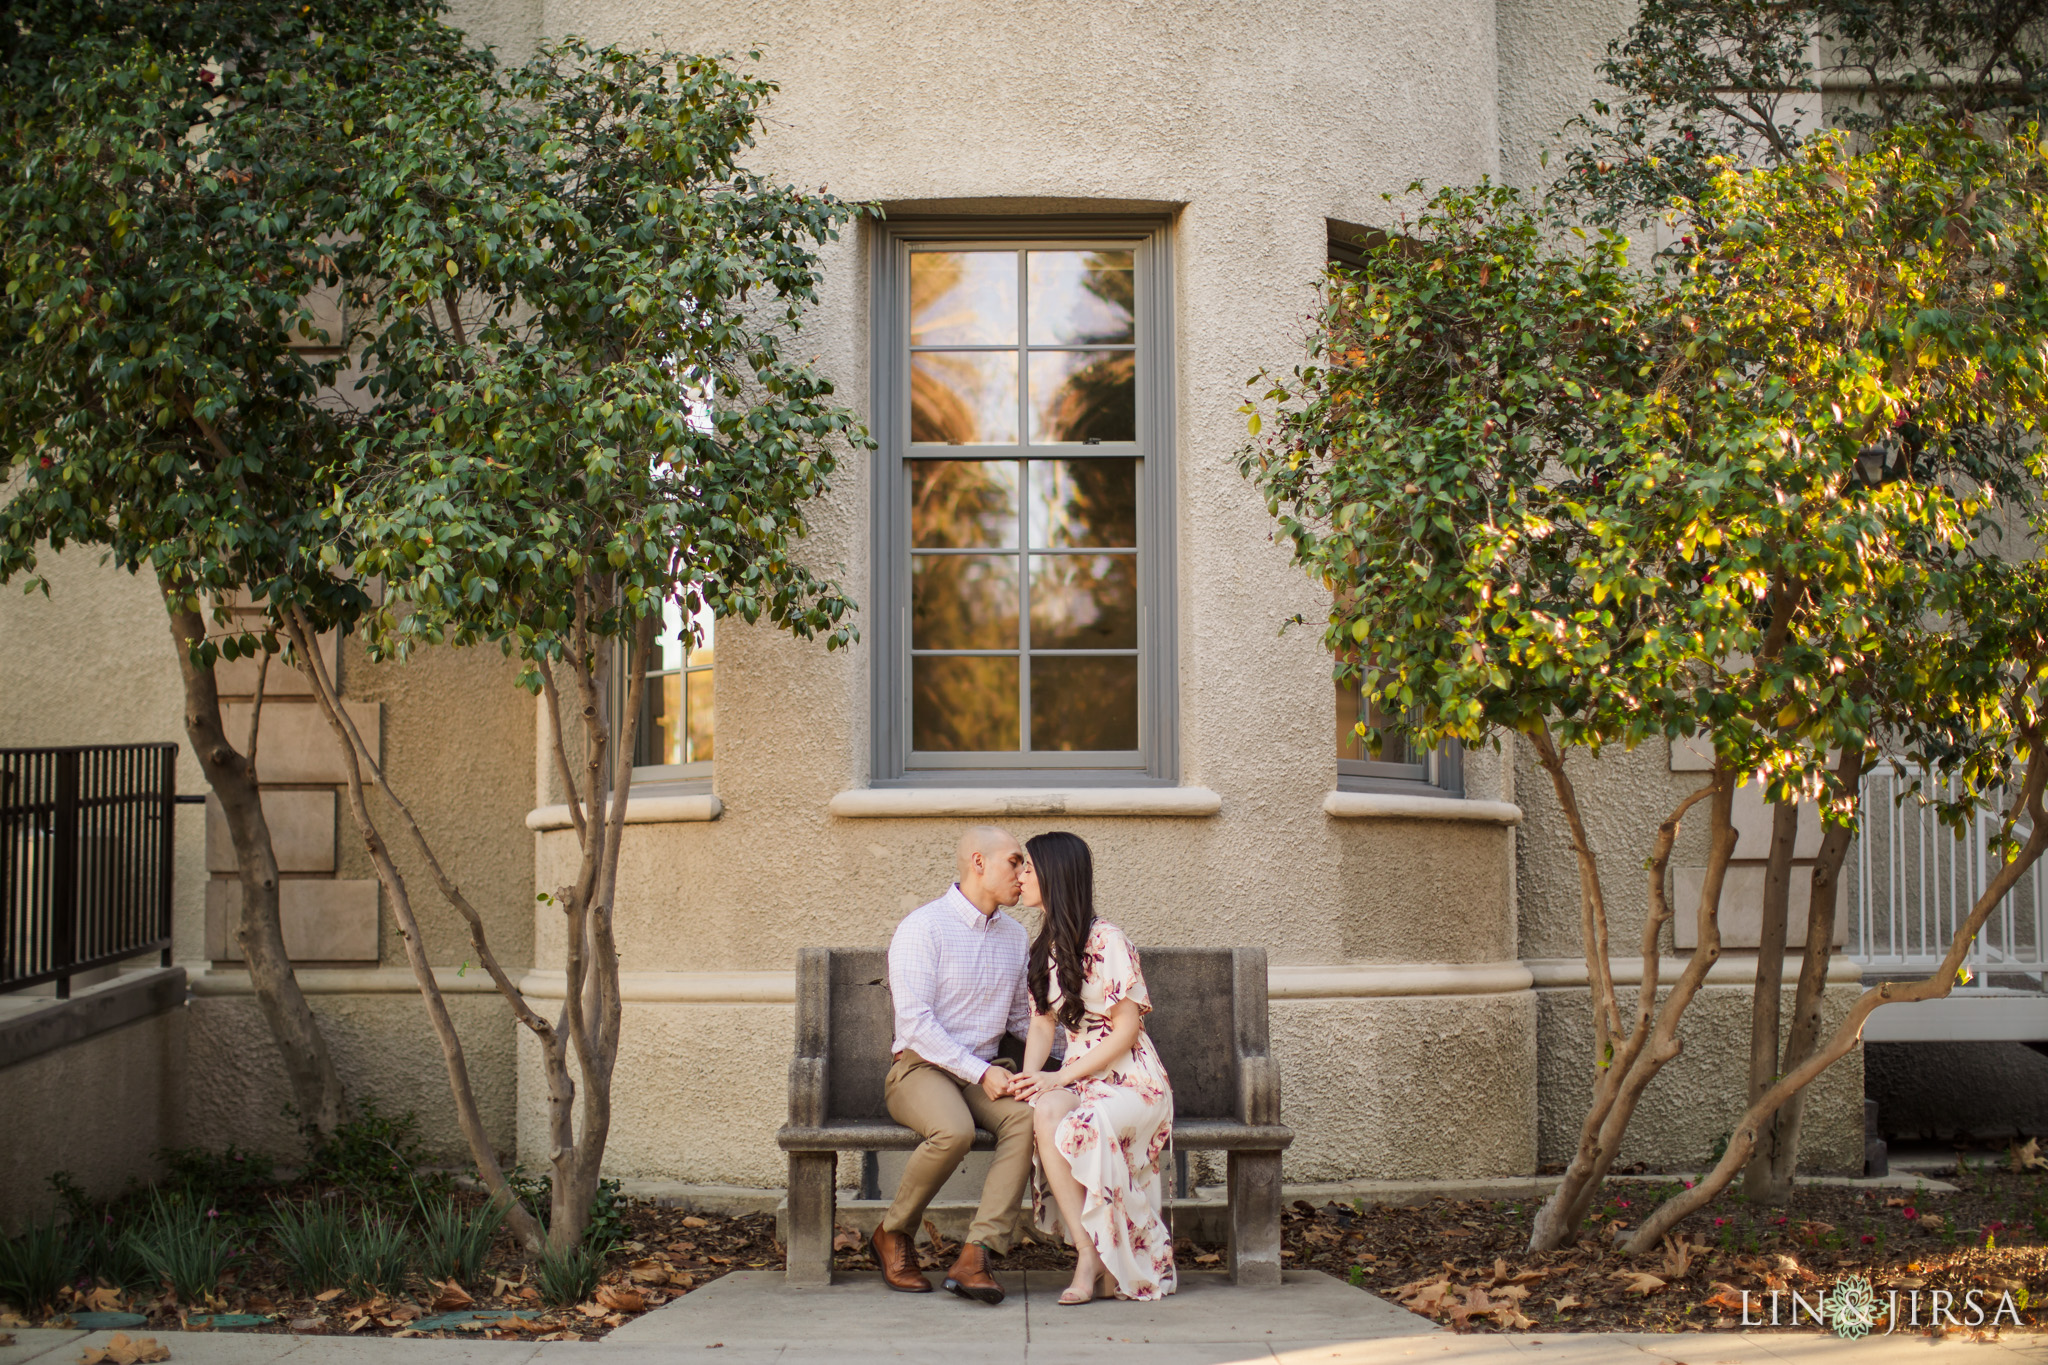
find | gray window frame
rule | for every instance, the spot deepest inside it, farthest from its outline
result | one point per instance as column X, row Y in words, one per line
column 1442, row 771
column 1157, row 761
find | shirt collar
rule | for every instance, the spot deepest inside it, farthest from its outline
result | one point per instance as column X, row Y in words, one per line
column 968, row 910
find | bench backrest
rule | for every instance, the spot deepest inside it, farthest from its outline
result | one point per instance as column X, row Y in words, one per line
column 1208, row 1021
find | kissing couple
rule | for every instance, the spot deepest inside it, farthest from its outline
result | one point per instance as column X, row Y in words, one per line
column 963, row 974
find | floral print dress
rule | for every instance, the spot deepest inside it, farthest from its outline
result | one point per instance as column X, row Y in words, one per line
column 1114, row 1138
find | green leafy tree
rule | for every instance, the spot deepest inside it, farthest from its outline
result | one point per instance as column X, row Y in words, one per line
column 162, row 231
column 1753, row 495
column 585, row 413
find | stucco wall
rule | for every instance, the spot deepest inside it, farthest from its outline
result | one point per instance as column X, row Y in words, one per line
column 97, row 1110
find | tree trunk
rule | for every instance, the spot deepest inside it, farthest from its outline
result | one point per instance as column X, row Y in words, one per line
column 1767, row 1003
column 1813, row 973
column 316, row 1088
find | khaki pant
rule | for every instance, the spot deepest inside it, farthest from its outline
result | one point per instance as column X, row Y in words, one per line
column 943, row 1110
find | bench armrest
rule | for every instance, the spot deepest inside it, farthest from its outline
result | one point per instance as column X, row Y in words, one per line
column 809, row 1069
column 1258, row 1075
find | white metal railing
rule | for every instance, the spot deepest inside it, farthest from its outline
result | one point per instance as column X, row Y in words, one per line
column 1911, row 882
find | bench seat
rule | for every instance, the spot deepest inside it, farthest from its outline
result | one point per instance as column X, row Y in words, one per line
column 873, row 1135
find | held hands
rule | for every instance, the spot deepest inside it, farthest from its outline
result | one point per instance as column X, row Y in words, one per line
column 1030, row 1087
column 996, row 1083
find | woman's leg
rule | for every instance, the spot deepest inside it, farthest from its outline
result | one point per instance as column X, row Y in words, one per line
column 1066, row 1190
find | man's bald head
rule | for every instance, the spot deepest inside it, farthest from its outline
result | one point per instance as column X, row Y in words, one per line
column 990, row 864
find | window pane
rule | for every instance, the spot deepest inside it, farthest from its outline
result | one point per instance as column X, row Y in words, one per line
column 963, row 504
column 963, row 705
column 661, row 724
column 1083, row 502
column 963, row 298
column 1083, row 703
column 1083, row 396
column 1084, row 602
column 1081, row 297
column 963, row 602
column 1351, row 709
column 701, row 697
column 962, row 398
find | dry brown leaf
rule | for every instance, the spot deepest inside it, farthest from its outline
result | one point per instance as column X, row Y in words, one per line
column 1678, row 1254
column 1908, row 1282
column 500, row 1286
column 1638, row 1281
column 1726, row 1297
column 529, row 1292
column 695, row 1222
column 1567, row 1303
column 1933, row 1222
column 1207, row 1258
column 847, row 1238
column 682, row 1283
column 1513, row 1293
column 1475, row 1305
column 450, row 1296
column 648, row 1271
column 2026, row 1156
column 1510, row 1318
column 121, row 1349
column 591, row 1310
column 1895, row 1201
column 105, row 1300
column 9, row 1318
column 621, row 1299
column 359, row 1322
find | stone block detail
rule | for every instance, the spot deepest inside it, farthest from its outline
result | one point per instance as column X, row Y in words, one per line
column 1742, row 906
column 297, row 745
column 237, row 677
column 324, row 921
column 301, row 831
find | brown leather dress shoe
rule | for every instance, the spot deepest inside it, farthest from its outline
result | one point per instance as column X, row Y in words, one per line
column 970, row 1277
column 896, row 1254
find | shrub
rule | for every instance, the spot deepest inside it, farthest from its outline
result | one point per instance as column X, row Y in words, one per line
column 375, row 1257
column 184, row 1246
column 36, row 1266
column 375, row 1154
column 568, row 1276
column 311, row 1240
column 231, row 1179
column 454, row 1241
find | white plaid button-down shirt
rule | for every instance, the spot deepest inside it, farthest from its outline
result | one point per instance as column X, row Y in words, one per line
column 957, row 977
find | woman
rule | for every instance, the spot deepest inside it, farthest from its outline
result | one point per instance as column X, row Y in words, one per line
column 1105, row 1116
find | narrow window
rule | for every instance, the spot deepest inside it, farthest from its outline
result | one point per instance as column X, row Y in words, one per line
column 676, row 734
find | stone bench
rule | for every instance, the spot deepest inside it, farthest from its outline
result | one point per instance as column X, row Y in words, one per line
column 1208, row 1021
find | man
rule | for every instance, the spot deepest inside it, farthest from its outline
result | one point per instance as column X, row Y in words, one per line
column 956, row 971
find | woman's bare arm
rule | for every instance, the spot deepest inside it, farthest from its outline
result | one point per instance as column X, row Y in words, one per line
column 1038, row 1042
column 1126, row 1020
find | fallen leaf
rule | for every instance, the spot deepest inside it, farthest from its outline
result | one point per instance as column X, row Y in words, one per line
column 1567, row 1303
column 648, row 1271
column 1513, row 1293
column 1475, row 1304
column 1726, row 1297
column 1207, row 1258
column 1638, row 1281
column 1510, row 1318
column 2026, row 1156
column 695, row 1222
column 402, row 1314
column 846, row 1238
column 620, row 1299
column 1895, row 1202
column 529, row 1292
column 105, row 1300
column 451, row 1296
column 121, row 1349
column 683, row 1282
column 12, row 1319
column 327, row 1296
column 1933, row 1222
column 591, row 1310
column 1908, row 1282
column 357, row 1324
column 500, row 1286
column 1678, row 1254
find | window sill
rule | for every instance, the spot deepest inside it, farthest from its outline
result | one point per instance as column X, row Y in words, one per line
column 892, row 803
column 1391, row 806
column 640, row 810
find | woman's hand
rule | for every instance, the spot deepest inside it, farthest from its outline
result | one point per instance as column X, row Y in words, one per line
column 1032, row 1084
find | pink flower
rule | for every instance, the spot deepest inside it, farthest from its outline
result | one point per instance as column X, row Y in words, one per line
column 1622, row 1202
column 1719, row 1221
column 1688, row 1184
column 1910, row 1212
column 1783, row 1221
column 1994, row 1226
column 1868, row 1238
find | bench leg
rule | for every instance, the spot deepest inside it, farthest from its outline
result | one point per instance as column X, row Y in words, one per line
column 813, row 1206
column 1254, row 1191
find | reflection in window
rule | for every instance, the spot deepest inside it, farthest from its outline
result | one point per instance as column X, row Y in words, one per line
column 1024, row 610
column 1399, row 765
column 1073, row 348
column 676, row 708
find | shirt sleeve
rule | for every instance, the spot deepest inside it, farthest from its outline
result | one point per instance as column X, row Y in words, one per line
column 1122, row 979
column 1020, row 1005
column 913, row 981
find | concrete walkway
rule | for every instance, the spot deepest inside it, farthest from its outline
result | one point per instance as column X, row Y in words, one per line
column 749, row 1318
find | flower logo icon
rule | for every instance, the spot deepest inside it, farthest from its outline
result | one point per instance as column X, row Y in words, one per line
column 1851, row 1307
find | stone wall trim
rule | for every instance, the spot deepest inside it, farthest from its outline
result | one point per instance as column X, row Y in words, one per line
column 349, row 981
column 1395, row 806
column 91, row 1011
column 895, row 803
column 641, row 810
column 1738, row 969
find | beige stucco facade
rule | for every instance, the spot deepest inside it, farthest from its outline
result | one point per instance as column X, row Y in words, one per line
column 1425, row 1013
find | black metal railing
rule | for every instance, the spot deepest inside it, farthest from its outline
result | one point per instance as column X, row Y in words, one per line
column 86, row 839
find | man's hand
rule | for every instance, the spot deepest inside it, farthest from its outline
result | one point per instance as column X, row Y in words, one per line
column 996, row 1083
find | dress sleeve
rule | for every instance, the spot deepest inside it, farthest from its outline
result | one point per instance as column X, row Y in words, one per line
column 1122, row 979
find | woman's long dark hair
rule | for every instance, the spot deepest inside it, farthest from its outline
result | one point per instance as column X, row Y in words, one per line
column 1066, row 882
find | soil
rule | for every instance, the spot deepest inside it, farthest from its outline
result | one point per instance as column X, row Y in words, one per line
column 1460, row 1263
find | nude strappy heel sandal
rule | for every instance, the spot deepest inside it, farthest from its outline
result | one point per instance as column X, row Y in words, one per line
column 1103, row 1288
